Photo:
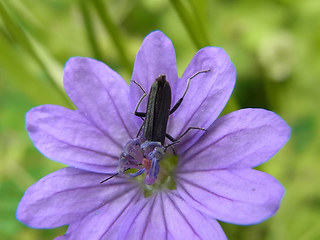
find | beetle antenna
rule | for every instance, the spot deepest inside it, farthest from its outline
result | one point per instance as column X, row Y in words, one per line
column 113, row 175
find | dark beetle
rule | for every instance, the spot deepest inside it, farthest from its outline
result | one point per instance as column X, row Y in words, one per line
column 158, row 110
column 154, row 126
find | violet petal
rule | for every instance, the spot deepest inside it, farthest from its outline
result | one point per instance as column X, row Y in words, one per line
column 69, row 137
column 68, row 195
column 61, row 238
column 105, row 222
column 241, row 139
column 156, row 56
column 167, row 216
column 239, row 196
column 101, row 95
column 71, row 229
column 207, row 95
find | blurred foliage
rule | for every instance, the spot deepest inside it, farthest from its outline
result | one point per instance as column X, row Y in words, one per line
column 274, row 44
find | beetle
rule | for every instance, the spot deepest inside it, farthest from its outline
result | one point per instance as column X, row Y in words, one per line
column 158, row 110
column 154, row 126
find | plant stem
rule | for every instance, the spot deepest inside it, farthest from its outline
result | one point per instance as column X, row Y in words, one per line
column 111, row 28
column 19, row 36
column 187, row 20
column 83, row 4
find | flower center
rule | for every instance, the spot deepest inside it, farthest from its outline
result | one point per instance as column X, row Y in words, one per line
column 147, row 157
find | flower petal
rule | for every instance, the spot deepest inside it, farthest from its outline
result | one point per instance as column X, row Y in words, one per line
column 71, row 229
column 61, row 238
column 69, row 137
column 155, row 57
column 102, row 95
column 167, row 216
column 105, row 222
column 241, row 139
column 68, row 195
column 207, row 95
column 239, row 196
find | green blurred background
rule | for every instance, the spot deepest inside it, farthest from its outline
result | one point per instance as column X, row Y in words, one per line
column 274, row 44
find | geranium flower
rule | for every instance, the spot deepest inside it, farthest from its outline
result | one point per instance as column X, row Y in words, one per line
column 212, row 179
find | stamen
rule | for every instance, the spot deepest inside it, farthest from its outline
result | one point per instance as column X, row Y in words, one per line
column 140, row 171
column 154, row 169
column 157, row 153
column 144, row 156
column 133, row 149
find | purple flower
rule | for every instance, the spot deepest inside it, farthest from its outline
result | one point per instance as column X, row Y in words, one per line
column 212, row 179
